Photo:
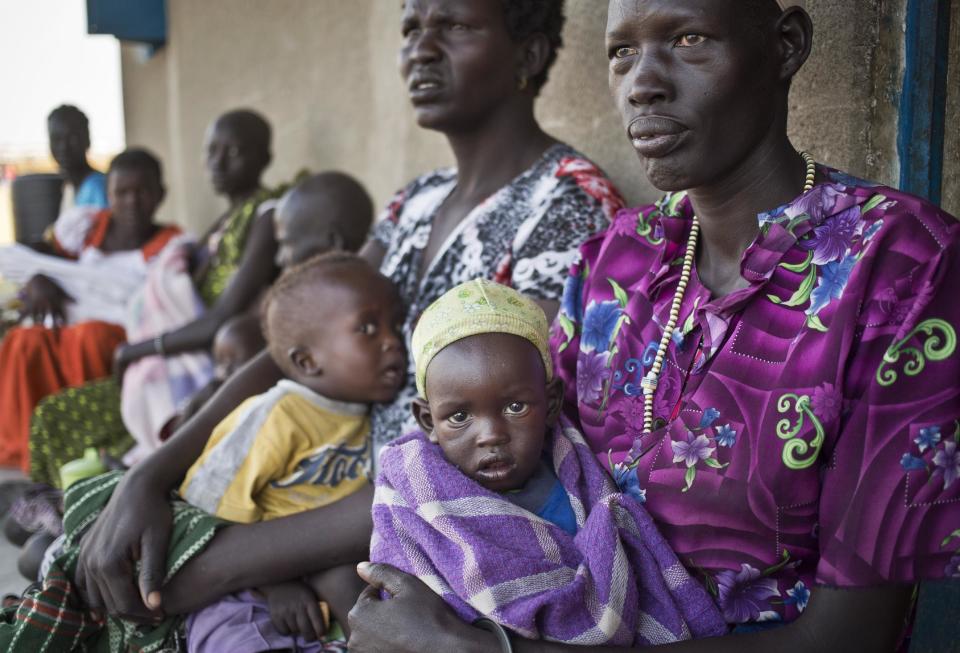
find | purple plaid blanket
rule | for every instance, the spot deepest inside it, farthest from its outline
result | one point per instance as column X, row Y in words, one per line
column 616, row 582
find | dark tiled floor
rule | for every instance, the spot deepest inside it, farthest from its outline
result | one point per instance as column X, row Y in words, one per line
column 11, row 582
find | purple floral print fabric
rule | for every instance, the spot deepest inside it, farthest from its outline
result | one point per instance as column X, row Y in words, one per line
column 806, row 426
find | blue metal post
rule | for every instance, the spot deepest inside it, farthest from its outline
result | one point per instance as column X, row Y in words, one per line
column 141, row 21
column 920, row 144
column 924, row 98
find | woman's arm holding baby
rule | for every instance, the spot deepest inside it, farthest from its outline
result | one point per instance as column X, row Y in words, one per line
column 416, row 619
column 135, row 525
column 252, row 555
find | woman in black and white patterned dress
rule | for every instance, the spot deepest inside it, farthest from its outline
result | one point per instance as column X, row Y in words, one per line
column 525, row 235
column 515, row 209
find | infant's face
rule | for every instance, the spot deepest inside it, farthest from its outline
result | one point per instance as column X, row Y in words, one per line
column 233, row 347
column 358, row 339
column 491, row 406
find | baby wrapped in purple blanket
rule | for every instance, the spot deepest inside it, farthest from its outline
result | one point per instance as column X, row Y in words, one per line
column 504, row 511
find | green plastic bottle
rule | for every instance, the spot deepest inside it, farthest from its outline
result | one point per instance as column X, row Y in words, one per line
column 81, row 468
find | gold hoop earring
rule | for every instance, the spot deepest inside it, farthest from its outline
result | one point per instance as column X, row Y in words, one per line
column 522, row 86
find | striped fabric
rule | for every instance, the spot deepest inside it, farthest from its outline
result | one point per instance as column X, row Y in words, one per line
column 51, row 619
column 155, row 387
column 616, row 582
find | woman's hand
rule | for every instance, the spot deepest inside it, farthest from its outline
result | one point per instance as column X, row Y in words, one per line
column 412, row 620
column 415, row 619
column 43, row 298
column 295, row 610
column 134, row 526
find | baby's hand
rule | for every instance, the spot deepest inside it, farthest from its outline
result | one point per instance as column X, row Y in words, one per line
column 295, row 610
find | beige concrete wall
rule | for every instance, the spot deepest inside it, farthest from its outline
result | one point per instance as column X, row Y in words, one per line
column 832, row 108
column 145, row 106
column 325, row 73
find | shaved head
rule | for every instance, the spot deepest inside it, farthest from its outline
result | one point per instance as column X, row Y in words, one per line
column 324, row 212
column 237, row 341
column 288, row 312
column 759, row 14
column 332, row 198
column 751, row 14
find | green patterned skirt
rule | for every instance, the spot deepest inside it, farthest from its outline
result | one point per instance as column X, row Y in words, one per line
column 52, row 619
column 66, row 423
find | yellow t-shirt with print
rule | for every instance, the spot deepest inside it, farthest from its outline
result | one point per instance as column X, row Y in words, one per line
column 282, row 452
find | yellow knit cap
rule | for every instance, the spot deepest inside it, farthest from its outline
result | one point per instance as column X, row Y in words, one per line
column 472, row 308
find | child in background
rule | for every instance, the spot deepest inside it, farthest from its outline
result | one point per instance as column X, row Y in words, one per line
column 321, row 213
column 237, row 341
column 325, row 212
column 302, row 444
column 503, row 511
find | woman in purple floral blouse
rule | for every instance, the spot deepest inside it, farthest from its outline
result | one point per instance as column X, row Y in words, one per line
column 803, row 457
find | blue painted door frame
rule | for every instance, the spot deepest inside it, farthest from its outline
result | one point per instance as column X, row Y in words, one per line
column 139, row 21
column 924, row 97
column 920, row 146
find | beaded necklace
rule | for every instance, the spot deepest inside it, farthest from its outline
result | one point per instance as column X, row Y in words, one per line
column 652, row 378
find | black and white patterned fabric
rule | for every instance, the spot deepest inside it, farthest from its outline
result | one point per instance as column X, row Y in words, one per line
column 525, row 235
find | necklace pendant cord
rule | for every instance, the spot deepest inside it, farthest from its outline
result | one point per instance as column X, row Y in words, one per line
column 651, row 379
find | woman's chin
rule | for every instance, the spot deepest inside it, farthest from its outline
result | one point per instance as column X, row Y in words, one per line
column 431, row 117
column 447, row 119
column 665, row 175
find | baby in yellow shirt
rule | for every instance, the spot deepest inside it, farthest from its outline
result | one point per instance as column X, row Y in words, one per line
column 305, row 442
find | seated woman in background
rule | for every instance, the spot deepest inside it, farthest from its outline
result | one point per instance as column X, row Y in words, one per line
column 515, row 209
column 323, row 212
column 766, row 358
column 171, row 328
column 234, row 261
column 119, row 242
column 228, row 269
column 330, row 210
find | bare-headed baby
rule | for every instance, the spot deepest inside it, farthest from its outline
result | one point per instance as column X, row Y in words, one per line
column 332, row 325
